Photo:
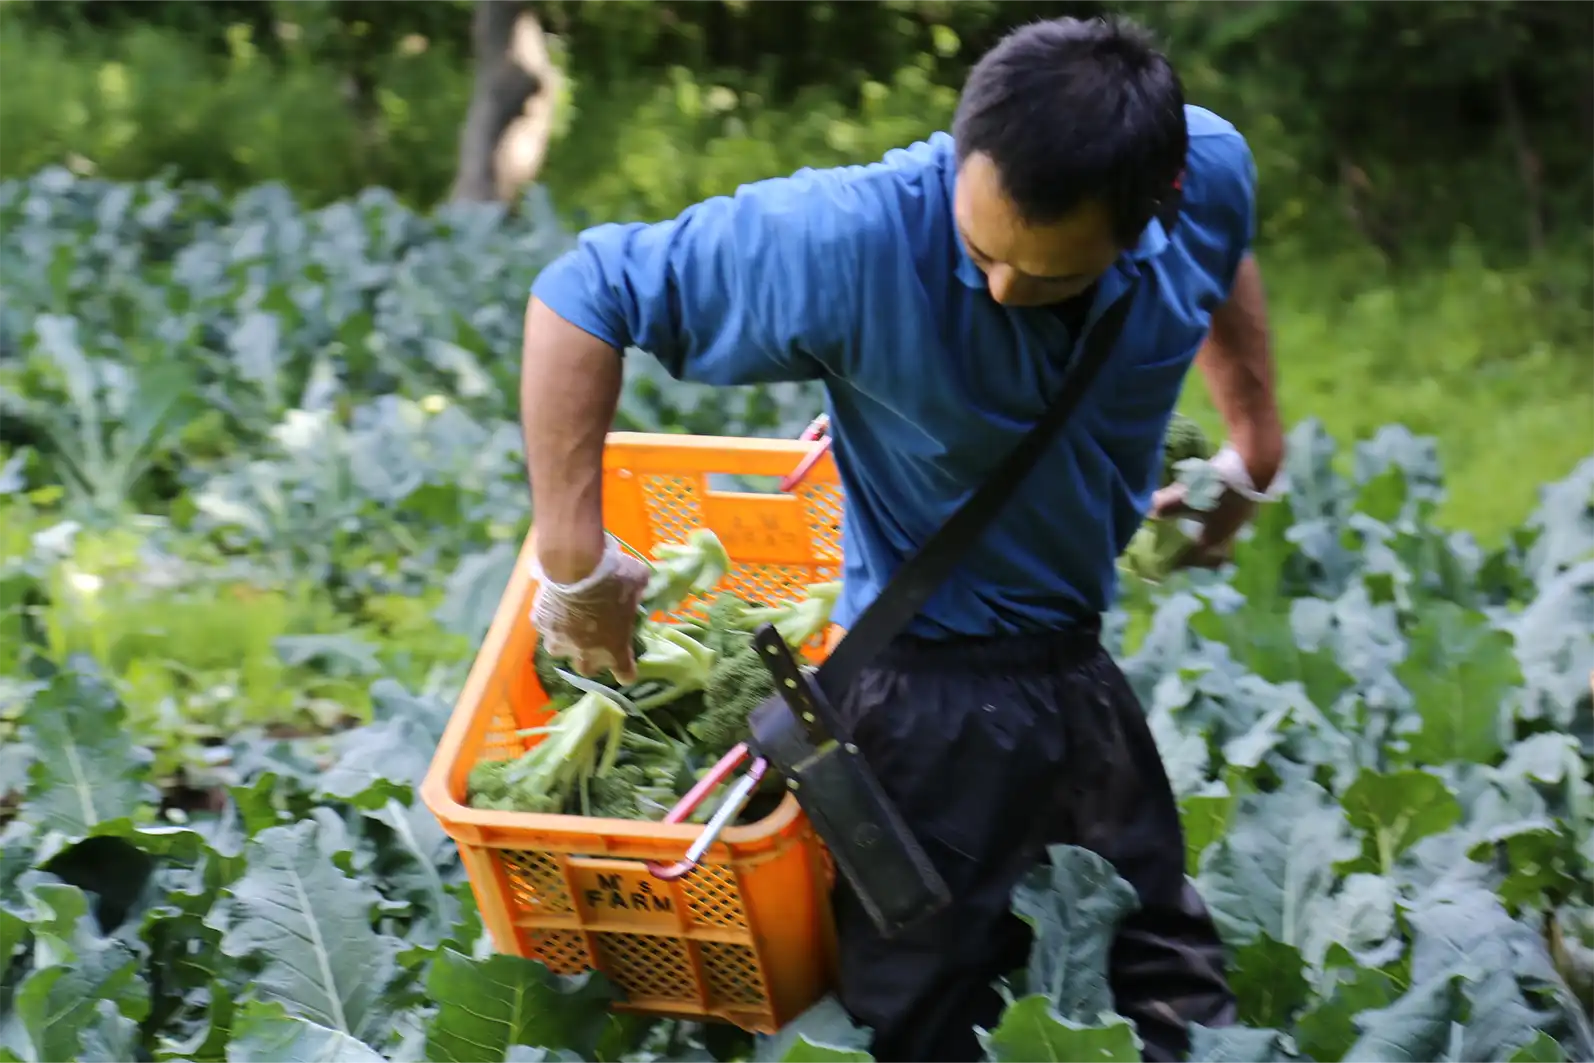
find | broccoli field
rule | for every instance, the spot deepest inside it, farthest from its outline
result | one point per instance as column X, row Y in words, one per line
column 260, row 488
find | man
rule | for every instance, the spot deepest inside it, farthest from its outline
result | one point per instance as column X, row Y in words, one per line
column 939, row 294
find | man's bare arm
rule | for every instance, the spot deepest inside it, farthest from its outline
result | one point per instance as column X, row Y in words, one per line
column 569, row 390
column 1237, row 363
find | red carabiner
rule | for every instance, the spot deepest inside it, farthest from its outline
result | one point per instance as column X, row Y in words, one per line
column 734, row 801
column 818, row 428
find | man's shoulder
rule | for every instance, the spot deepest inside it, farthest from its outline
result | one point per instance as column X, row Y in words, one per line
column 1219, row 156
column 1219, row 193
column 1204, row 123
column 908, row 165
column 861, row 190
column 861, row 210
column 1220, row 166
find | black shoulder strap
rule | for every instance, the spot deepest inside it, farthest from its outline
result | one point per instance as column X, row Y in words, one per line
column 929, row 566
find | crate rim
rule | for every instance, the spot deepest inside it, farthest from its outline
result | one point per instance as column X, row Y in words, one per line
column 619, row 444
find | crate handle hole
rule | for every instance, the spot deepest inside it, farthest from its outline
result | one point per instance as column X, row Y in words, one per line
column 722, row 483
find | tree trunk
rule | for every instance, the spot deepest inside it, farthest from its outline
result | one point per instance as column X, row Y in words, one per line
column 1362, row 209
column 505, row 136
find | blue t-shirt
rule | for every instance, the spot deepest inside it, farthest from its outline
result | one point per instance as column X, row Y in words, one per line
column 855, row 276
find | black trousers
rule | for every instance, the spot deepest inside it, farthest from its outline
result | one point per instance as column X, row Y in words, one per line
column 994, row 749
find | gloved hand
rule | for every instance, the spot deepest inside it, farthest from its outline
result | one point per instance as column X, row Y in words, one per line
column 1221, row 517
column 592, row 621
column 1220, row 524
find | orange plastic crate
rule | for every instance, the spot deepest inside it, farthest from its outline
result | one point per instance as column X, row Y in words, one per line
column 746, row 937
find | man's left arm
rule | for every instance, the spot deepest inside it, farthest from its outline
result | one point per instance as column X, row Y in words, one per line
column 1236, row 358
column 1237, row 363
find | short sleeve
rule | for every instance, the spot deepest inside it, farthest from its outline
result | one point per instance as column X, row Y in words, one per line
column 757, row 287
column 1220, row 196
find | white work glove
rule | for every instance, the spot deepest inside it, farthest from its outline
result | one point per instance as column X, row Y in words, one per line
column 593, row 620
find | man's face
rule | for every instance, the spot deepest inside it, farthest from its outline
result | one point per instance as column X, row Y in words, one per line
column 1024, row 264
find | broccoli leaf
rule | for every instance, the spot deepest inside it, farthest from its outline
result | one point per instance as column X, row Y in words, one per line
column 265, row 1030
column 88, row 769
column 1238, row 1044
column 489, row 1006
column 308, row 927
column 1030, row 1029
column 1073, row 904
column 1414, row 1029
column 822, row 1034
column 1392, row 812
column 1276, row 862
column 76, row 966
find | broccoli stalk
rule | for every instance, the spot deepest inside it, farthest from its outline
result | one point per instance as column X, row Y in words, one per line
column 601, row 756
column 578, row 744
column 695, row 566
column 797, row 621
column 672, row 664
column 801, row 620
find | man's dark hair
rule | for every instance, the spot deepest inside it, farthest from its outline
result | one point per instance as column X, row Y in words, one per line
column 1075, row 110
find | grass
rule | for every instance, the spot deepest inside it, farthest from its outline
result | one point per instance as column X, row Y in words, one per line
column 1476, row 355
column 1465, row 353
column 131, row 105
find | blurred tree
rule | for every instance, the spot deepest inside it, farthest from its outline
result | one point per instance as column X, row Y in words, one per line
column 505, row 135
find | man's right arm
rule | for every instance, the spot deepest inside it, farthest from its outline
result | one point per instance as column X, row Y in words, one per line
column 751, row 288
column 569, row 389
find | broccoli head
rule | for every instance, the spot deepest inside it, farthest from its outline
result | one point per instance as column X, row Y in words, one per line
column 579, row 744
column 643, row 787
column 737, row 685
column 727, row 625
column 495, row 785
column 1184, row 439
column 614, row 795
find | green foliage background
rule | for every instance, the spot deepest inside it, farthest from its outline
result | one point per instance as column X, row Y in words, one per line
column 1418, row 97
column 1426, row 167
